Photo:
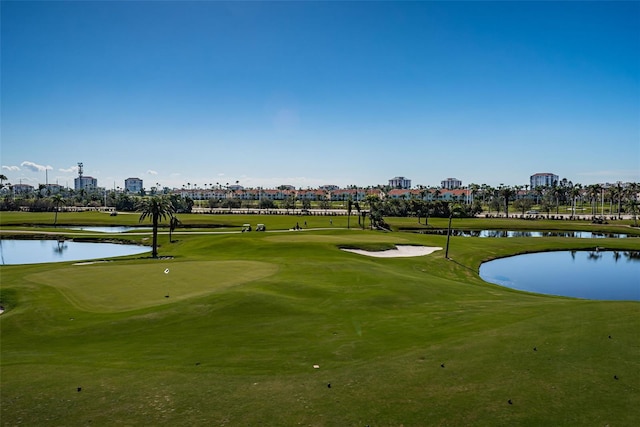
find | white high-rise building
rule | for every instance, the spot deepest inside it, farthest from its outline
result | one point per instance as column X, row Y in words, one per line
column 85, row 183
column 82, row 182
column 400, row 182
column 543, row 180
column 451, row 183
column 133, row 185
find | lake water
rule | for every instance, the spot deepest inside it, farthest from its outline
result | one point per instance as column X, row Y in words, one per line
column 113, row 229
column 508, row 233
column 601, row 275
column 44, row 251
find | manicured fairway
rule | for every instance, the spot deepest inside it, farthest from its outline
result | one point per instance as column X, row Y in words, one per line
column 397, row 341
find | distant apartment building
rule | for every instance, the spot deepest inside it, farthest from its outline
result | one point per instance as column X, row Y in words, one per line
column 87, row 183
column 543, row 180
column 451, row 184
column 22, row 188
column 400, row 182
column 133, row 185
column 51, row 189
column 329, row 187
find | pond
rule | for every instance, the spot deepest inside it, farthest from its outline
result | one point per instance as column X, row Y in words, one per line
column 509, row 233
column 601, row 275
column 111, row 229
column 14, row 252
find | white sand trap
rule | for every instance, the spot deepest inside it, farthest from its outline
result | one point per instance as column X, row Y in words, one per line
column 400, row 251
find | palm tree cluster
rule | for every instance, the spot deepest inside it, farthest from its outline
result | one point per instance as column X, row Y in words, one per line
column 613, row 201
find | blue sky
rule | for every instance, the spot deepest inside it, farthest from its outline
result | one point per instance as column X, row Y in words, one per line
column 314, row 93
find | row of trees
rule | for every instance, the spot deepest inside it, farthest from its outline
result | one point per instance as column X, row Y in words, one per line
column 590, row 199
column 616, row 199
column 125, row 202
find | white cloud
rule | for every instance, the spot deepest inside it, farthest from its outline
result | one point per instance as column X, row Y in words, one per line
column 69, row 170
column 34, row 167
column 11, row 168
column 152, row 172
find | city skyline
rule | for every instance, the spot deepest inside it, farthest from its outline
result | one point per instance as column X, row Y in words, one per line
column 448, row 183
column 312, row 94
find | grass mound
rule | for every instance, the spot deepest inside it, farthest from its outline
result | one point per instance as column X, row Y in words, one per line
column 112, row 287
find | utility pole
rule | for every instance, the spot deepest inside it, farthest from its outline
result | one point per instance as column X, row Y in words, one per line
column 446, row 252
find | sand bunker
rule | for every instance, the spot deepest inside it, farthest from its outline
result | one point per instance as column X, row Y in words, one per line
column 400, row 251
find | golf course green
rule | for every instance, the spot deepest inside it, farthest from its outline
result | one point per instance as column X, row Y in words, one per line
column 283, row 328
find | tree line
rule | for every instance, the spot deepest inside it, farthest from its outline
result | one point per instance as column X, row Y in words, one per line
column 593, row 200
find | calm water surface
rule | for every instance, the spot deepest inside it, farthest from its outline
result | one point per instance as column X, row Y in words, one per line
column 44, row 251
column 509, row 233
column 601, row 275
column 113, row 229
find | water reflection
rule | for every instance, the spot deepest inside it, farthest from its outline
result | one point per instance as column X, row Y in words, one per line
column 60, row 247
column 510, row 233
column 594, row 274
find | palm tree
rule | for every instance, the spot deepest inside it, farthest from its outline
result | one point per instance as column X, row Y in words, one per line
column 174, row 222
column 3, row 177
column 506, row 193
column 57, row 200
column 620, row 194
column 631, row 193
column 474, row 189
column 575, row 192
column 558, row 192
column 155, row 208
column 593, row 191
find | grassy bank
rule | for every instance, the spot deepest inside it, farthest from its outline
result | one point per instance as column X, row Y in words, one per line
column 231, row 334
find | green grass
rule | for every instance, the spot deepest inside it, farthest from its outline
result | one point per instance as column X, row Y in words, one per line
column 250, row 314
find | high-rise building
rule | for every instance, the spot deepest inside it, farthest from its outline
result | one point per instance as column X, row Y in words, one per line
column 133, row 185
column 451, row 184
column 543, row 180
column 400, row 182
column 84, row 182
